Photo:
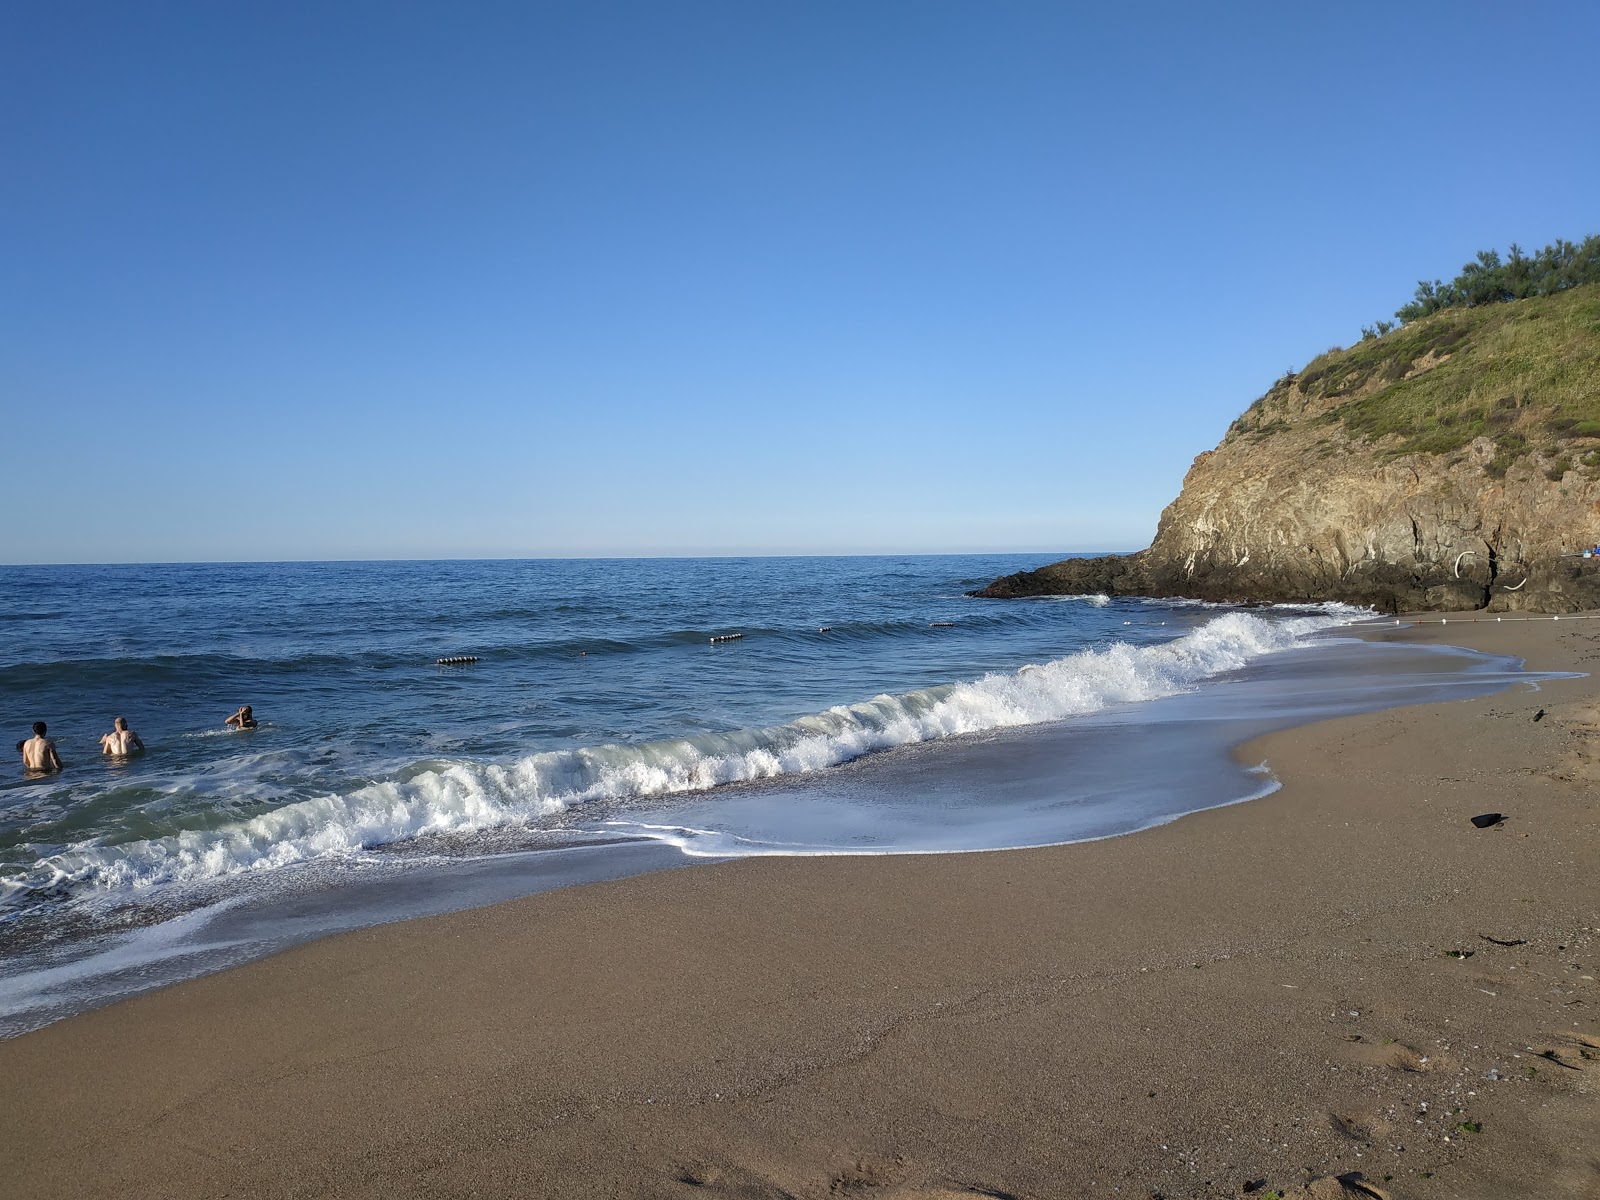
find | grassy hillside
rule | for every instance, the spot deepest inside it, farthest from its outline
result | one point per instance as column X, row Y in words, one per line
column 1524, row 373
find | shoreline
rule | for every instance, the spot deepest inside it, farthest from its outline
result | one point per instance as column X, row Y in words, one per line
column 1168, row 1011
column 1123, row 769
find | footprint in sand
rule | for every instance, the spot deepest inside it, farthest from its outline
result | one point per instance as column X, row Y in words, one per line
column 708, row 1179
column 883, row 1181
column 1357, row 1129
column 1338, row 1187
column 887, row 1181
column 1393, row 1056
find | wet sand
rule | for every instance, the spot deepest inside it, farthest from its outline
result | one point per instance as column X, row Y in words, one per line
column 1255, row 998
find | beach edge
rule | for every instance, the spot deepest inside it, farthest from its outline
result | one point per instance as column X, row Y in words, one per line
column 1187, row 1010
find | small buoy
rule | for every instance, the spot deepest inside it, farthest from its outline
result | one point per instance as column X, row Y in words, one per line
column 727, row 637
column 455, row 660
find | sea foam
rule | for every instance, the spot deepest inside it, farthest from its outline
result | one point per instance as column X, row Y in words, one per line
column 454, row 797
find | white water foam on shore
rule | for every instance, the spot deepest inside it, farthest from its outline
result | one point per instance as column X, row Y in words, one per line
column 469, row 796
column 720, row 843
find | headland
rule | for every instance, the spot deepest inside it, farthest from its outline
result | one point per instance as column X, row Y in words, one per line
column 1450, row 462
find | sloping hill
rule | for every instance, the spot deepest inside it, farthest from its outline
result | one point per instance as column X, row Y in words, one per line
column 1453, row 462
column 1526, row 375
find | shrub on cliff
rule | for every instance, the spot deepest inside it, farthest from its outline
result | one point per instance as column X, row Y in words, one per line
column 1489, row 279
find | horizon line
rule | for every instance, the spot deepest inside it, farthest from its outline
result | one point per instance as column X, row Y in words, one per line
column 599, row 557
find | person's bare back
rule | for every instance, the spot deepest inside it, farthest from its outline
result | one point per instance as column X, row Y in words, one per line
column 39, row 752
column 121, row 741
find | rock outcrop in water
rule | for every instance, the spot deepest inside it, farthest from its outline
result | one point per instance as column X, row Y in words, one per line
column 1450, row 464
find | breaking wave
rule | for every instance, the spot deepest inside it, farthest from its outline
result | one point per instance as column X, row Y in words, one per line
column 464, row 796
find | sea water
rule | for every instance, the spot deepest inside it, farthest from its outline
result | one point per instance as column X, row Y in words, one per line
column 868, row 706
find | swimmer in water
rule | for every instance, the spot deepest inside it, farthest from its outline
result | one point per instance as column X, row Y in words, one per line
column 243, row 719
column 121, row 741
column 39, row 752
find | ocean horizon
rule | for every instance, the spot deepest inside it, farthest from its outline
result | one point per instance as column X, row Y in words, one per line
column 596, row 556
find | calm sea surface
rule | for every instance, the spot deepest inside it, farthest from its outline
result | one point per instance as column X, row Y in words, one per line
column 599, row 713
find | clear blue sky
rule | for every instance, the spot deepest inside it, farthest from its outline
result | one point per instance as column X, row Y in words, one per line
column 413, row 280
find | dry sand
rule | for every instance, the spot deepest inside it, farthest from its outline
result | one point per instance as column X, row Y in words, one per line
column 1245, row 1001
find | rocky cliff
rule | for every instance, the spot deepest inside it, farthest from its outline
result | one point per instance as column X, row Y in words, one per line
column 1453, row 463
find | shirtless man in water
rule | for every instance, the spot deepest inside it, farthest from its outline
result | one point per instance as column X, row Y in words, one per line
column 243, row 719
column 121, row 741
column 39, row 752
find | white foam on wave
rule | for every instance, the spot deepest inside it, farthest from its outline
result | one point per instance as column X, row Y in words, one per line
column 467, row 796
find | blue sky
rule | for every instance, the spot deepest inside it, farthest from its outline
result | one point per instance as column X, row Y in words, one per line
column 369, row 280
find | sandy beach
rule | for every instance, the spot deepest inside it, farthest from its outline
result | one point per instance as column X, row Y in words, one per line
column 1345, row 979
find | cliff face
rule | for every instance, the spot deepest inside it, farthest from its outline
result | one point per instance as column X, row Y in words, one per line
column 1452, row 469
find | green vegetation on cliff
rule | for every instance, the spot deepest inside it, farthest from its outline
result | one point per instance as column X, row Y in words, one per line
column 1525, row 374
column 1489, row 279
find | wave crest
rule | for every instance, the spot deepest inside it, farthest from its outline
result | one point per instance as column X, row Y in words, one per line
column 442, row 797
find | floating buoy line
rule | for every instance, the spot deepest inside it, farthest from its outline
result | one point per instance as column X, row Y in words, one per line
column 941, row 624
column 1374, row 622
column 455, row 660
column 726, row 637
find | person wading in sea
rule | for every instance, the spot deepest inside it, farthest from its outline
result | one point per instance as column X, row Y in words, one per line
column 121, row 741
column 243, row 719
column 39, row 752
